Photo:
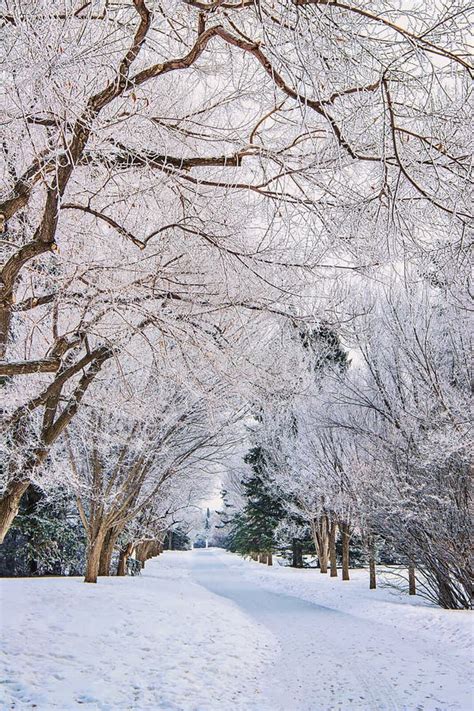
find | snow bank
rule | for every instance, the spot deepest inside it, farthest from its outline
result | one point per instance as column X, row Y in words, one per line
column 154, row 642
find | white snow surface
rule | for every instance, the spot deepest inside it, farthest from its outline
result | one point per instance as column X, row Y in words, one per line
column 207, row 631
column 158, row 641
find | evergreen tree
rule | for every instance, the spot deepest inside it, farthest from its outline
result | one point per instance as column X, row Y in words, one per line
column 46, row 538
column 254, row 528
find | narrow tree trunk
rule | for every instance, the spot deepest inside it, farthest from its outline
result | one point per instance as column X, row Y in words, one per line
column 93, row 557
column 345, row 531
column 332, row 549
column 321, row 541
column 270, row 559
column 323, row 552
column 411, row 580
column 372, row 575
column 9, row 505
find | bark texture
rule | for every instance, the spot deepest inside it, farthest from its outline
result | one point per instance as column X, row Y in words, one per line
column 93, row 557
column 332, row 549
column 9, row 505
column 320, row 529
column 346, row 537
column 107, row 552
column 372, row 573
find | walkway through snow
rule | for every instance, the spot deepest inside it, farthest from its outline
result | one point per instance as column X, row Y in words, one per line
column 206, row 631
column 331, row 659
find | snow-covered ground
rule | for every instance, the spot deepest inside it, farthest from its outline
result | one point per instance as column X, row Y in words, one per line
column 158, row 641
column 207, row 631
column 452, row 629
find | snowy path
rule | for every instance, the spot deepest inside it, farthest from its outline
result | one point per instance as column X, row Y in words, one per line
column 334, row 660
column 207, row 631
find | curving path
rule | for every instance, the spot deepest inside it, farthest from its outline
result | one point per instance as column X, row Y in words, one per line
column 332, row 660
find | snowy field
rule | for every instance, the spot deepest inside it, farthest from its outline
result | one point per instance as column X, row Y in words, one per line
column 207, row 631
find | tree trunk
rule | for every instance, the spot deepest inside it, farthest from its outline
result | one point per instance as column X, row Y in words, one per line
column 372, row 575
column 332, row 549
column 107, row 551
column 270, row 559
column 140, row 554
column 93, row 556
column 144, row 551
column 122, row 562
column 9, row 505
column 346, row 536
column 411, row 580
column 446, row 598
column 320, row 530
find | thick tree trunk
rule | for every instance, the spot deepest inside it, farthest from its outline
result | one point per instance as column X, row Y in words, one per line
column 372, row 575
column 146, row 550
column 125, row 553
column 122, row 563
column 346, row 536
column 9, row 505
column 332, row 549
column 93, row 556
column 411, row 580
column 107, row 552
